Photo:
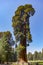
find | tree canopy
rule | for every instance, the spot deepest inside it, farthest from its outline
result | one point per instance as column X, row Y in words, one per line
column 18, row 22
column 8, row 37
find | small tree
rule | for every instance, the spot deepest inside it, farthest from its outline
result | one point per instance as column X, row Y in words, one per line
column 5, row 47
column 42, row 53
column 30, row 56
column 35, row 56
column 20, row 23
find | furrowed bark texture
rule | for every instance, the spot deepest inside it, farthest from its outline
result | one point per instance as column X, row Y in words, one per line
column 23, row 55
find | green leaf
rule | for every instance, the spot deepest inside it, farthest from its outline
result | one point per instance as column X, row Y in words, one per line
column 21, row 8
column 29, row 37
column 17, row 13
column 30, row 11
column 15, row 18
column 19, row 48
column 28, row 6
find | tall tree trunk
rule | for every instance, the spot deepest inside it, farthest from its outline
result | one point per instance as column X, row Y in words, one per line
column 23, row 54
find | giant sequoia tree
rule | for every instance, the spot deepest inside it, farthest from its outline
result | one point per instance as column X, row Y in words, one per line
column 20, row 23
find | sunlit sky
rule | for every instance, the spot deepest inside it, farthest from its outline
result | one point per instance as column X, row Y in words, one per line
column 7, row 10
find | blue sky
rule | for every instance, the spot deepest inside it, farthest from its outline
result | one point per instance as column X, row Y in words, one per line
column 7, row 10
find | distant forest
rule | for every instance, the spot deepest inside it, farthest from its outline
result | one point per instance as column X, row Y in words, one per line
column 36, row 56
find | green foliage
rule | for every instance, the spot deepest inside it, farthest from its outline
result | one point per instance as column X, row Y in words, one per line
column 15, row 18
column 24, row 17
column 21, row 8
column 4, row 48
column 6, row 51
column 30, row 56
column 28, row 6
column 26, row 9
column 36, row 56
column 42, row 53
column 17, row 13
column 30, row 10
column 22, row 14
column 18, row 49
column 16, row 23
column 19, row 36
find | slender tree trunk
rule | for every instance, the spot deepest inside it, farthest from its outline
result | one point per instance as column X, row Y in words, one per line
column 23, row 54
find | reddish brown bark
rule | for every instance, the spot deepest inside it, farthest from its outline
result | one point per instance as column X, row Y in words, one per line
column 23, row 54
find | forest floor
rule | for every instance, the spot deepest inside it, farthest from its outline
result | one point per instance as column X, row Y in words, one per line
column 37, row 62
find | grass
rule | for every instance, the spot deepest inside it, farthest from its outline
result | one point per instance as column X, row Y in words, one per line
column 36, row 61
column 40, row 62
column 31, row 63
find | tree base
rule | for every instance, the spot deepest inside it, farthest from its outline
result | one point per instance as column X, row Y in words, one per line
column 21, row 63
